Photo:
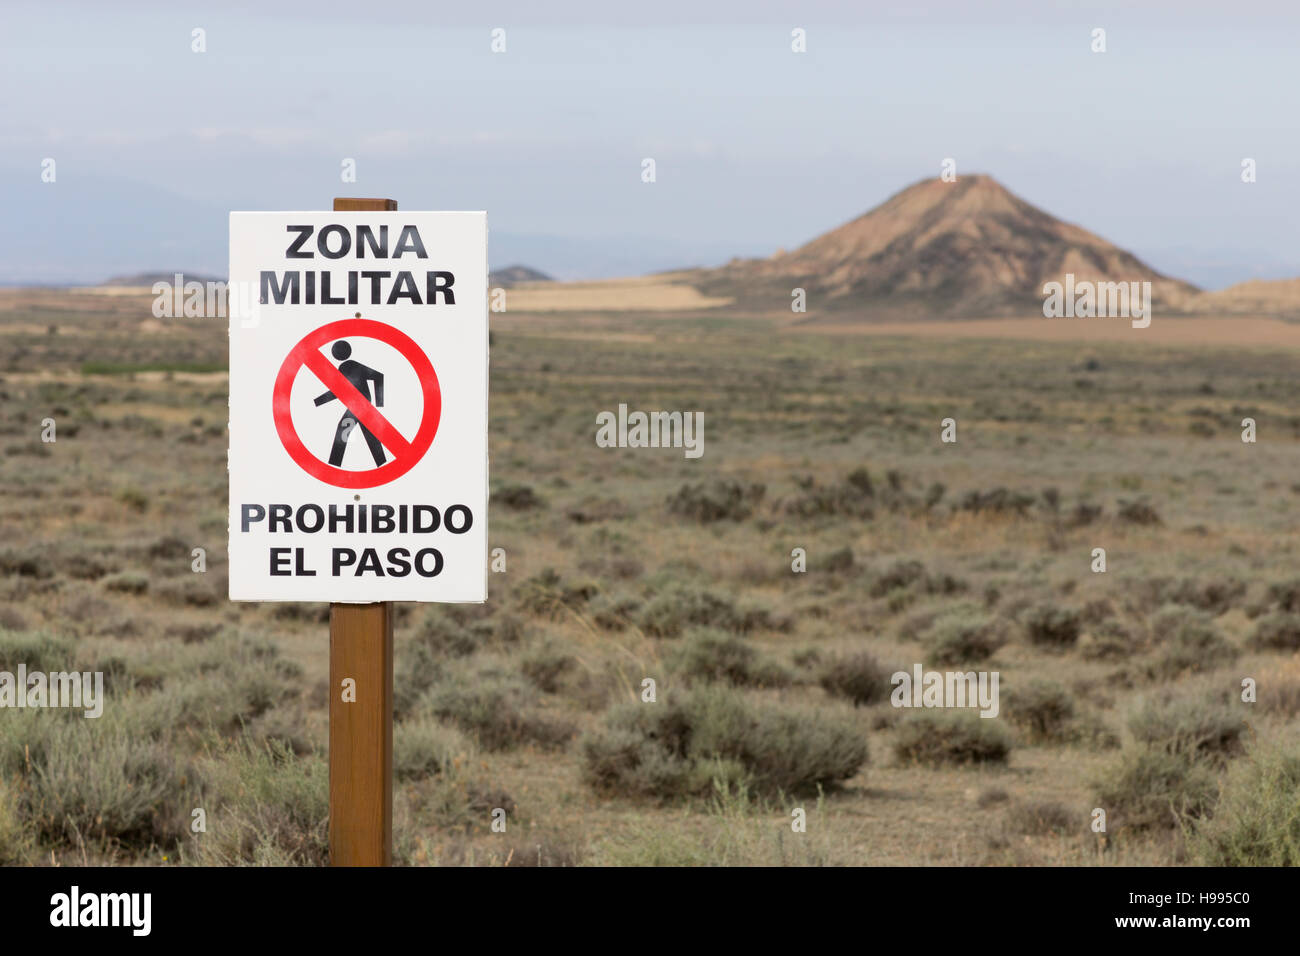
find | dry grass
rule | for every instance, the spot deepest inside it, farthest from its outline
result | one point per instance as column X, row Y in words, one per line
column 607, row 585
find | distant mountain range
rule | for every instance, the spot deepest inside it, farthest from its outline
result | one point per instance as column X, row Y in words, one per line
column 961, row 249
column 505, row 278
column 149, row 278
column 513, row 275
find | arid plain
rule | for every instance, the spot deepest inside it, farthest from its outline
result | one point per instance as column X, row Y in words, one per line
column 1120, row 691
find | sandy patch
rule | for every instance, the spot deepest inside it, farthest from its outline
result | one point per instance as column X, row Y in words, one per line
column 1235, row 330
column 648, row 294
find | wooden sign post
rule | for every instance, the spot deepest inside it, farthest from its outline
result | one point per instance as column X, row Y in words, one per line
column 372, row 321
column 361, row 731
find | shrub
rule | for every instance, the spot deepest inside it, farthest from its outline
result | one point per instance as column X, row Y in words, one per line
column 447, row 637
column 1257, row 819
column 1173, row 619
column 858, row 677
column 1043, row 709
column 497, row 710
column 1150, row 789
column 901, row 574
column 127, row 582
column 517, row 498
column 170, row 548
column 722, row 500
column 1047, row 625
column 998, row 501
column 134, row 499
column 841, row 560
column 417, row 669
column 1138, row 512
column 597, row 509
column 678, row 748
column 1190, row 642
column 38, row 650
column 1109, row 640
column 670, row 612
column 423, row 748
column 852, row 499
column 545, row 667
column 1286, row 594
column 547, row 593
column 960, row 637
column 1278, row 631
column 25, row 564
column 712, row 655
column 272, row 808
column 111, row 785
column 1040, row 817
column 949, row 737
column 1217, row 596
column 12, row 620
column 15, row 841
column 1188, row 726
column 1084, row 514
column 613, row 612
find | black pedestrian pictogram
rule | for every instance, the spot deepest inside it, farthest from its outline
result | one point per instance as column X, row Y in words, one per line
column 360, row 376
column 351, row 386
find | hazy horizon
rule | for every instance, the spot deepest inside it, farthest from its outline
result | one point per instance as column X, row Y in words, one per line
column 756, row 148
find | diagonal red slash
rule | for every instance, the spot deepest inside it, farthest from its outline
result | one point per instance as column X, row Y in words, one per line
column 356, row 403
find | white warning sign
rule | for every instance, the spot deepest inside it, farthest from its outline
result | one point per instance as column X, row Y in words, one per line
column 358, row 406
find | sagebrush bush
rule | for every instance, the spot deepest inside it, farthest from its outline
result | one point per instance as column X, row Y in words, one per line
column 545, row 666
column 267, row 807
column 109, row 785
column 1217, row 596
column 220, row 684
column 1189, row 725
column 127, row 582
column 499, row 710
column 447, row 637
column 680, row 746
column 899, row 575
column 1041, row 817
column 719, row 500
column 1189, row 642
column 671, row 611
column 962, row 636
column 39, row 650
column 1140, row 512
column 1153, row 788
column 858, row 677
column 1256, row 821
column 1173, row 619
column 547, row 593
column 416, row 670
column 838, row 561
column 707, row 654
column 1043, row 709
column 1279, row 631
column 1286, row 594
column 614, row 611
column 423, row 748
column 998, row 501
column 15, row 839
column 517, row 498
column 951, row 737
column 825, row 501
column 1053, row 627
column 1109, row 640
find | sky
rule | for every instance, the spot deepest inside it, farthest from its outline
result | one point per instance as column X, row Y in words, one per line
column 755, row 147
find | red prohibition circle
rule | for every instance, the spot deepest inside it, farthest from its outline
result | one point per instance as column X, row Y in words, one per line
column 407, row 454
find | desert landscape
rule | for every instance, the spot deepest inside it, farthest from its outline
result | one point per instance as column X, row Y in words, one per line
column 1164, row 690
